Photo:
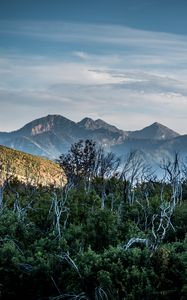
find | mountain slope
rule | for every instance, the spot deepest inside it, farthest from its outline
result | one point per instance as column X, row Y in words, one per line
column 30, row 169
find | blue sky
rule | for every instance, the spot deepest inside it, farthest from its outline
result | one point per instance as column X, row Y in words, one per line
column 124, row 61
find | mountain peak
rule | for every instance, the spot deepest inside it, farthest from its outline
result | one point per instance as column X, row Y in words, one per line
column 100, row 122
column 90, row 124
column 48, row 123
column 156, row 124
column 87, row 123
column 155, row 131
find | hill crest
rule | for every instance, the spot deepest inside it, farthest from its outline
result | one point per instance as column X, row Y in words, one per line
column 30, row 169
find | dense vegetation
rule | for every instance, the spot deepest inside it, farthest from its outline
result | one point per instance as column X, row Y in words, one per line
column 111, row 233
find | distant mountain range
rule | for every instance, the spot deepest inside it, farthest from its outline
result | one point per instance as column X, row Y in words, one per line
column 52, row 135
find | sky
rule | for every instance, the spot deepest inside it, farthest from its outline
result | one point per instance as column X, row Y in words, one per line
column 123, row 61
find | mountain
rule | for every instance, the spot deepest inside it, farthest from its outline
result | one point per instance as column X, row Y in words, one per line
column 29, row 169
column 48, row 136
column 52, row 135
column 155, row 131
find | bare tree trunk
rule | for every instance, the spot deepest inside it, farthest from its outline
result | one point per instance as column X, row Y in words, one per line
column 58, row 208
column 161, row 221
column 103, row 196
column 1, row 196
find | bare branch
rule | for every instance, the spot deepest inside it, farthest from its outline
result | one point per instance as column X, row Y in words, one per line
column 136, row 240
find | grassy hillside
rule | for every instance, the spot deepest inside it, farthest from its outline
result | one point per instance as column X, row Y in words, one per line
column 30, row 169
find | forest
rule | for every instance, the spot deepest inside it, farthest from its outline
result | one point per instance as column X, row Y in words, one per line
column 115, row 230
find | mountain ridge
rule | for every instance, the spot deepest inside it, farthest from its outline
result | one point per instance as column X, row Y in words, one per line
column 53, row 135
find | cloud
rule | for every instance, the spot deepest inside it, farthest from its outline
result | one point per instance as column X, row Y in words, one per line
column 63, row 32
column 128, row 77
column 81, row 55
column 100, row 44
column 77, row 90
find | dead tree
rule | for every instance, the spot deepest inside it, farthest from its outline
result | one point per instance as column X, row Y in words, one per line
column 71, row 296
column 2, row 187
column 143, row 194
column 18, row 209
column 58, row 209
column 162, row 220
column 66, row 256
column 100, row 294
column 4, row 177
column 174, row 177
column 106, row 167
column 131, row 174
column 136, row 240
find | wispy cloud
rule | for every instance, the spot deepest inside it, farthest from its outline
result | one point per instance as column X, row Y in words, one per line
column 126, row 76
column 81, row 54
column 64, row 31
